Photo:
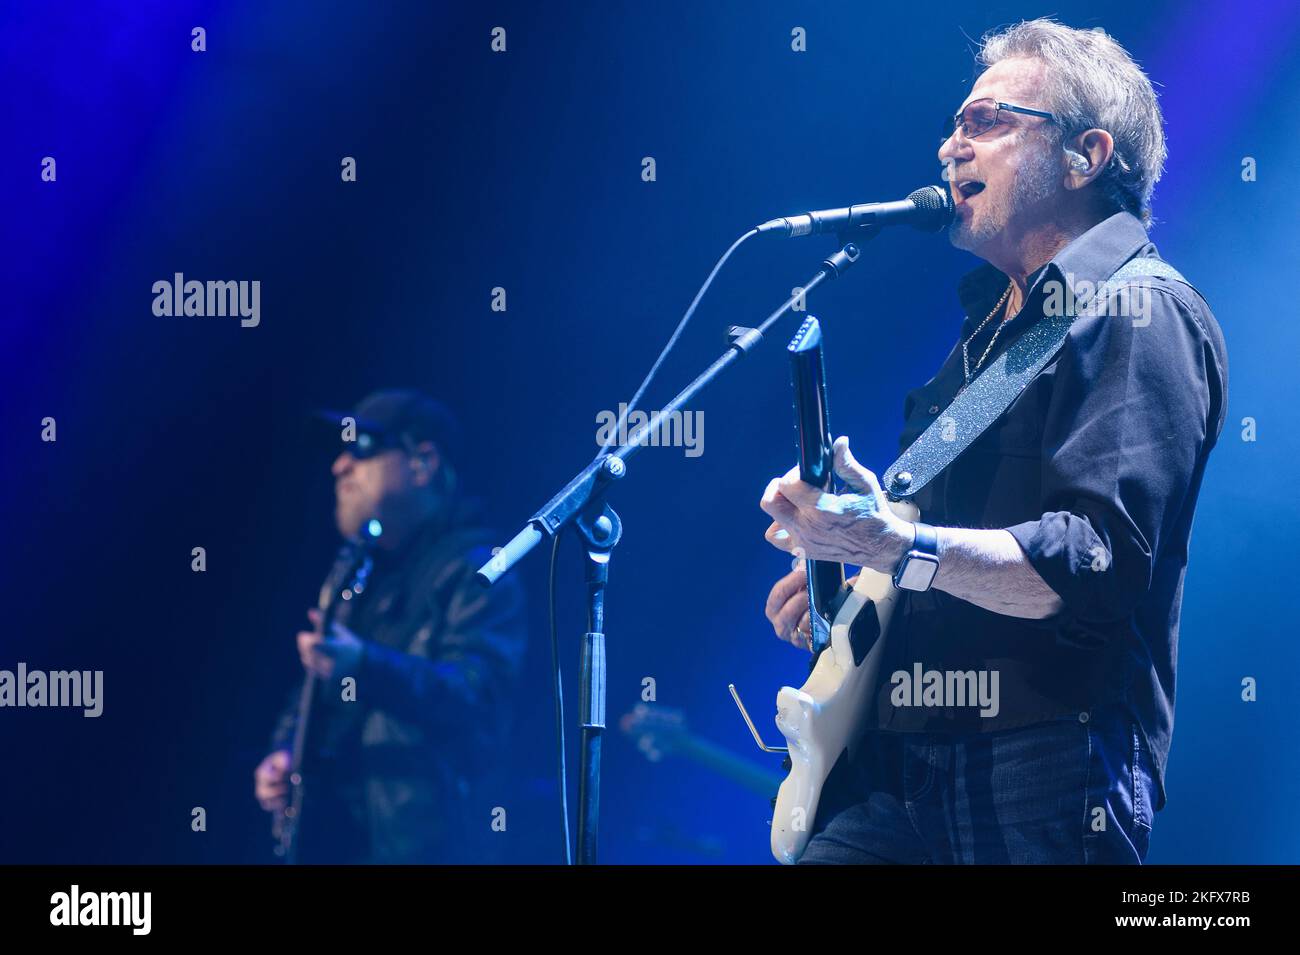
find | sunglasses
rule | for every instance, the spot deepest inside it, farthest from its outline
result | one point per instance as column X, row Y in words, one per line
column 981, row 115
column 368, row 444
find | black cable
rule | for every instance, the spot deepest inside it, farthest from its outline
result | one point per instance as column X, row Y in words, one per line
column 559, row 706
column 672, row 341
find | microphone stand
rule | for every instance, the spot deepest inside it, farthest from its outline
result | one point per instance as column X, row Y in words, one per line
column 581, row 503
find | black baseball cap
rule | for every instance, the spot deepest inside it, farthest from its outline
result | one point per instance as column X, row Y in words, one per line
column 399, row 418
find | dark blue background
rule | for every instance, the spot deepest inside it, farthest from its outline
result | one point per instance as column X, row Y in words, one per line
column 522, row 170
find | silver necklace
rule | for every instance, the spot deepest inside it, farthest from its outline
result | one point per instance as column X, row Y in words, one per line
column 965, row 357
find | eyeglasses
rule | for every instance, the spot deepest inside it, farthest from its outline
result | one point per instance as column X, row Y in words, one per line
column 981, row 115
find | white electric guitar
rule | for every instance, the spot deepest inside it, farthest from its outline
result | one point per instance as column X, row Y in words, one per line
column 823, row 719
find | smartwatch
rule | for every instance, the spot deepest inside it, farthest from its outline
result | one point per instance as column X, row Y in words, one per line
column 919, row 565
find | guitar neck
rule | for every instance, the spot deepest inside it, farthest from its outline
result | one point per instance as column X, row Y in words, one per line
column 816, row 460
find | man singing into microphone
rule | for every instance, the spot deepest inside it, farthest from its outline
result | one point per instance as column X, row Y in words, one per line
column 1060, row 536
column 391, row 775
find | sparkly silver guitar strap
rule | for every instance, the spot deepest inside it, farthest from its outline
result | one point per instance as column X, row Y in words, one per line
column 982, row 402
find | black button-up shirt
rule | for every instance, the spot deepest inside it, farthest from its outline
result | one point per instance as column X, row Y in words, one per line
column 1095, row 470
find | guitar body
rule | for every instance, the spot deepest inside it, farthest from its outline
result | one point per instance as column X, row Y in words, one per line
column 824, row 717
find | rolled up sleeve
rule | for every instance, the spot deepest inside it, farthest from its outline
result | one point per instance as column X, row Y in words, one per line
column 1126, row 424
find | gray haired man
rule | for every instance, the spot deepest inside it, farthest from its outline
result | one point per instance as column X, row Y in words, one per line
column 1061, row 534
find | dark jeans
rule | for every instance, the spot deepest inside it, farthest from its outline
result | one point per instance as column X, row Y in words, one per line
column 1062, row 792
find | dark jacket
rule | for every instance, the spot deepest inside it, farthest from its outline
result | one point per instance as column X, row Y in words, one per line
column 392, row 776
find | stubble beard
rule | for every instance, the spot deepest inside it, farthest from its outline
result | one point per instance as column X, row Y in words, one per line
column 348, row 518
column 1035, row 181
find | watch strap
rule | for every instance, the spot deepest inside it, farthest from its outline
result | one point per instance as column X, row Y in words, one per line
column 927, row 539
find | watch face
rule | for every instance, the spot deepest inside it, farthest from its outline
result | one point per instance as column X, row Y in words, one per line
column 917, row 572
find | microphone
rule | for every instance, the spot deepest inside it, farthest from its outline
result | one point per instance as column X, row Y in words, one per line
column 928, row 209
